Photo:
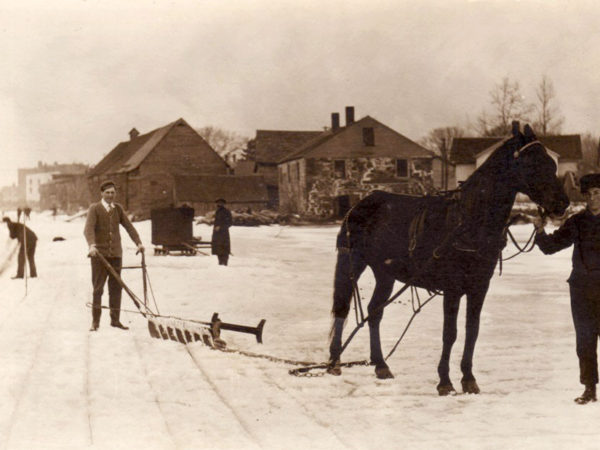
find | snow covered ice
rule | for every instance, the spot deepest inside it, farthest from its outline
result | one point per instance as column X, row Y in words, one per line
column 63, row 387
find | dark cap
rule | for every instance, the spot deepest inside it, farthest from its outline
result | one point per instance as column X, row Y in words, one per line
column 6, row 219
column 591, row 180
column 220, row 200
column 106, row 184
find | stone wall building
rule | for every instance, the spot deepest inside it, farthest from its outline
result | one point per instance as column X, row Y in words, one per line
column 330, row 173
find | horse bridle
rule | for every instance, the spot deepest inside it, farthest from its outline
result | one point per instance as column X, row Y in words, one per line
column 522, row 149
column 518, row 153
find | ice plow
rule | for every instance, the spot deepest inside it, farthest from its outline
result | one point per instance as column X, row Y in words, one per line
column 174, row 328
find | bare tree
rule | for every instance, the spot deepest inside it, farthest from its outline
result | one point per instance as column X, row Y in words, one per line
column 224, row 142
column 508, row 104
column 438, row 140
column 548, row 119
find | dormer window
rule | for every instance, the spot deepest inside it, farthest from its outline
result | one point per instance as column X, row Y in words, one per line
column 369, row 136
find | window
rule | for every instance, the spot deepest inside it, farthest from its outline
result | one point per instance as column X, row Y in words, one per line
column 369, row 136
column 339, row 168
column 402, row 168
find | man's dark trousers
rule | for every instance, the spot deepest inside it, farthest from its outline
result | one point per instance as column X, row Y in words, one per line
column 99, row 275
column 30, row 260
column 585, row 306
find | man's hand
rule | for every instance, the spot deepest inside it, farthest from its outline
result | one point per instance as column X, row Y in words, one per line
column 93, row 250
column 140, row 249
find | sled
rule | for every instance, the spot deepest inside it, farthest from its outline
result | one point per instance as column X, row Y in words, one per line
column 173, row 328
column 172, row 231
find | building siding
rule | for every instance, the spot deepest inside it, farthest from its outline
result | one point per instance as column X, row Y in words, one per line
column 183, row 151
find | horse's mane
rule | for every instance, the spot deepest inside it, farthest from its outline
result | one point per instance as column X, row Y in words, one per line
column 482, row 174
column 479, row 188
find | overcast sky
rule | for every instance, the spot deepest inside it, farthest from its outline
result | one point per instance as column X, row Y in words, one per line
column 77, row 75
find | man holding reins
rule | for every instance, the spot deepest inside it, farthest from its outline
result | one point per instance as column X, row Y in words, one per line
column 582, row 230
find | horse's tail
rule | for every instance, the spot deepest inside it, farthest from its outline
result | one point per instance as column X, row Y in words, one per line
column 349, row 266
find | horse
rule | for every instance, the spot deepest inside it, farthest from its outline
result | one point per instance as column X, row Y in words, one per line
column 449, row 242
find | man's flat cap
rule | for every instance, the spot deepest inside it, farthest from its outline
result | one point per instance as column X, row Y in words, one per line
column 591, row 180
column 106, row 184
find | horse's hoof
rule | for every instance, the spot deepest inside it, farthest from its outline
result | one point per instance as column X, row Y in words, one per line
column 334, row 368
column 383, row 373
column 446, row 389
column 470, row 387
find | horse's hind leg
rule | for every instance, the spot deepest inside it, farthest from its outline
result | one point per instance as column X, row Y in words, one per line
column 383, row 290
column 350, row 265
column 451, row 305
column 474, row 306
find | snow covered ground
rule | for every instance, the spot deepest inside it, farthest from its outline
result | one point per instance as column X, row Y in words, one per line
column 62, row 387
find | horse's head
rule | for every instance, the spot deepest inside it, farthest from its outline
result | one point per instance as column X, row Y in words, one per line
column 534, row 171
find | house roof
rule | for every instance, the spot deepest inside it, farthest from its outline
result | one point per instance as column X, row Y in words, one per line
column 464, row 150
column 233, row 188
column 273, row 145
column 338, row 144
column 246, row 167
column 128, row 155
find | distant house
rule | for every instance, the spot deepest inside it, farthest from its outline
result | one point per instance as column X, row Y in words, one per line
column 270, row 147
column 31, row 179
column 67, row 192
column 338, row 167
column 200, row 192
column 467, row 154
column 175, row 149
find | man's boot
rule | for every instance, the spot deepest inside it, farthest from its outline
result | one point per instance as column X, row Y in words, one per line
column 589, row 395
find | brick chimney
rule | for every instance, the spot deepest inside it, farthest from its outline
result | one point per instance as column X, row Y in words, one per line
column 349, row 115
column 133, row 134
column 335, row 121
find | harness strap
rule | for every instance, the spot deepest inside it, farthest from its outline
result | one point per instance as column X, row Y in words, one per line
column 415, row 230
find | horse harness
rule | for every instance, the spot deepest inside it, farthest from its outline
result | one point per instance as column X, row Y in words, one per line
column 416, row 231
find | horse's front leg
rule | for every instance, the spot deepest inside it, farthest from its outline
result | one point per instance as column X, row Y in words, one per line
column 383, row 290
column 474, row 305
column 451, row 305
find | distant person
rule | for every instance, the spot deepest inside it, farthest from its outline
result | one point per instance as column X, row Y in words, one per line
column 27, row 242
column 27, row 212
column 582, row 230
column 19, row 211
column 54, row 213
column 103, row 237
column 220, row 243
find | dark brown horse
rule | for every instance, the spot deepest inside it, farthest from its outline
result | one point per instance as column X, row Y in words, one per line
column 448, row 243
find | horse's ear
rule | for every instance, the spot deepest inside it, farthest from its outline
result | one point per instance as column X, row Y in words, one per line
column 528, row 131
column 515, row 127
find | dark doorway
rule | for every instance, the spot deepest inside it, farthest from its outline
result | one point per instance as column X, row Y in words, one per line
column 342, row 206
